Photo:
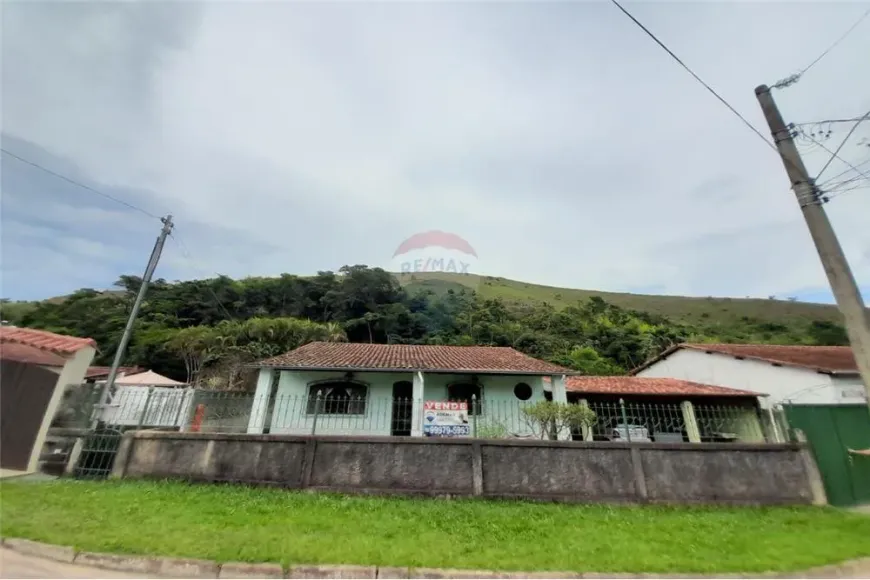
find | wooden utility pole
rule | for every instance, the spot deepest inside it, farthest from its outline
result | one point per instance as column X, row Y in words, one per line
column 833, row 260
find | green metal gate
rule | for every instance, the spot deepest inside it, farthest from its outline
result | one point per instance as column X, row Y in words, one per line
column 831, row 431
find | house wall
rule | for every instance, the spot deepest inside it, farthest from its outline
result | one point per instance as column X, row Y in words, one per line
column 289, row 408
column 782, row 383
column 849, row 390
column 557, row 470
column 290, row 415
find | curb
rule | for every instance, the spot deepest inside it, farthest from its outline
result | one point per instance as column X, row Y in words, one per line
column 190, row 568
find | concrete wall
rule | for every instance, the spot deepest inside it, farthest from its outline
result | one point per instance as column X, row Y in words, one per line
column 570, row 471
column 782, row 383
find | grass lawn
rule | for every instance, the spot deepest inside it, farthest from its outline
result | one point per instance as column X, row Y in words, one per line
column 229, row 523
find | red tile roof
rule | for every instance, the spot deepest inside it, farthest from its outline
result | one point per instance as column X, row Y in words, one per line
column 103, row 372
column 650, row 386
column 826, row 359
column 29, row 355
column 467, row 359
column 44, row 340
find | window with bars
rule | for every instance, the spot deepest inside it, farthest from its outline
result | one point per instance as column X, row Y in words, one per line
column 337, row 398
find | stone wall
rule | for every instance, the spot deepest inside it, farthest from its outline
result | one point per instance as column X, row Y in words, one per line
column 556, row 470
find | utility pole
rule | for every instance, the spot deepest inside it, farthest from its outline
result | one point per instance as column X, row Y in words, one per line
column 834, row 261
column 134, row 312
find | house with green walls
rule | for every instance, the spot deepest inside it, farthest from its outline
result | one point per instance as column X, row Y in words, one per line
column 404, row 390
column 481, row 391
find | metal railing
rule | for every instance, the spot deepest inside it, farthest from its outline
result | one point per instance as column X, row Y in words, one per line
column 233, row 412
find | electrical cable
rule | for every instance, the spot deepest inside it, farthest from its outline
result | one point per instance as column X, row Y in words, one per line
column 823, row 121
column 836, row 42
column 835, row 155
column 697, row 78
column 184, row 251
column 78, row 184
column 844, row 172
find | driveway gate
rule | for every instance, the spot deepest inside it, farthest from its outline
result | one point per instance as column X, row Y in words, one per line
column 98, row 454
column 832, row 430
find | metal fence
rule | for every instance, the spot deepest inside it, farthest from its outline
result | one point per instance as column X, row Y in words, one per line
column 231, row 412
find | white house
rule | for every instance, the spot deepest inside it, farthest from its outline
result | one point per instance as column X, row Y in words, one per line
column 799, row 375
column 380, row 389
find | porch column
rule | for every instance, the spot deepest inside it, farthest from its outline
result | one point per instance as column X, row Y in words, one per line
column 417, row 406
column 560, row 395
column 691, row 422
column 557, row 384
column 260, row 405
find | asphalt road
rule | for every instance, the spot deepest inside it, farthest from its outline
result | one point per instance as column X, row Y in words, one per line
column 15, row 565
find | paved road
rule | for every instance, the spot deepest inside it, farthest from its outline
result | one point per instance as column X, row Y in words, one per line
column 15, row 565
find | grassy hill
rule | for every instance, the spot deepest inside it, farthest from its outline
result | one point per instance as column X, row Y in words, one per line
column 685, row 309
column 708, row 311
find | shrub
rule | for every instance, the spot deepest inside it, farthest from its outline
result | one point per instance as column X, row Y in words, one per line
column 548, row 419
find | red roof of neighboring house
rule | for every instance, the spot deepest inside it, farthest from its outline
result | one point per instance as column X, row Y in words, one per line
column 29, row 355
column 103, row 372
column 650, row 386
column 826, row 359
column 363, row 357
column 44, row 340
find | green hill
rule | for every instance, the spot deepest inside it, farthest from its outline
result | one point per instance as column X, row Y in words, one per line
column 238, row 321
column 683, row 309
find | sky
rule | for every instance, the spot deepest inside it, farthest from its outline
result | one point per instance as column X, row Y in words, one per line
column 555, row 137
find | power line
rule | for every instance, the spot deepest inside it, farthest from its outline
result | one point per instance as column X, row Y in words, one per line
column 790, row 80
column 844, row 191
column 78, row 184
column 183, row 247
column 835, row 155
column 697, row 78
column 836, row 42
column 828, row 121
column 844, row 172
column 846, row 138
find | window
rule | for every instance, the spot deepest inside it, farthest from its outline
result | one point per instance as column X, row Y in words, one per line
column 467, row 392
column 523, row 392
column 337, row 398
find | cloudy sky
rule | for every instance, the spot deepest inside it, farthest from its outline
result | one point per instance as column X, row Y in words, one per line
column 555, row 137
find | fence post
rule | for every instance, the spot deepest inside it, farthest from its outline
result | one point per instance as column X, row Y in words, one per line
column 177, row 421
column 777, row 437
column 474, row 416
column 316, row 413
column 625, row 420
column 145, row 408
column 691, row 422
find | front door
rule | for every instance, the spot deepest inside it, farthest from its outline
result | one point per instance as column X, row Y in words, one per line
column 403, row 408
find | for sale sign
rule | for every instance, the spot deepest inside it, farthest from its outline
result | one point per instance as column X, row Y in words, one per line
column 445, row 419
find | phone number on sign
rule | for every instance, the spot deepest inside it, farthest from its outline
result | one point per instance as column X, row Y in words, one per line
column 448, row 430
